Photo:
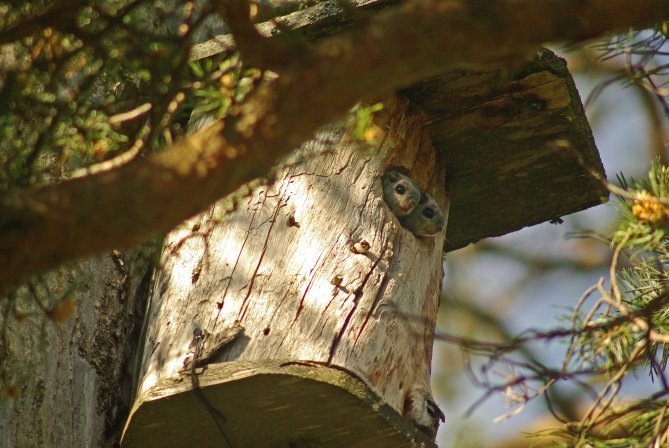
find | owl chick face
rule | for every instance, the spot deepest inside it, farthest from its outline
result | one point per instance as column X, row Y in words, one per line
column 400, row 193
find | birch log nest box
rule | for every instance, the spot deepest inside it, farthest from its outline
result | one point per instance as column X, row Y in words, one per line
column 302, row 313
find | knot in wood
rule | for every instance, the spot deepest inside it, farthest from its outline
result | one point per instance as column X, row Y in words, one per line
column 361, row 247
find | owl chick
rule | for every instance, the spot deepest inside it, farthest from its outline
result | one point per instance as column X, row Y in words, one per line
column 400, row 193
column 426, row 219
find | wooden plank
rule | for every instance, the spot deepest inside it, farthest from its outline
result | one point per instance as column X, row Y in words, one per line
column 497, row 138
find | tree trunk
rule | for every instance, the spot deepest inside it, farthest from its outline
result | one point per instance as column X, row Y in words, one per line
column 70, row 372
column 316, row 270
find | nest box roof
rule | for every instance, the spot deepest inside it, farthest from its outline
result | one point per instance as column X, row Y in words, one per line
column 502, row 138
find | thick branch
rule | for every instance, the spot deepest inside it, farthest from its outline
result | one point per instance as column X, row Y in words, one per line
column 40, row 228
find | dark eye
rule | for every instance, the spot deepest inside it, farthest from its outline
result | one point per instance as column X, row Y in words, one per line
column 400, row 189
column 428, row 213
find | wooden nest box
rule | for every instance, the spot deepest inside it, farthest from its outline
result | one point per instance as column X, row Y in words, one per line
column 327, row 356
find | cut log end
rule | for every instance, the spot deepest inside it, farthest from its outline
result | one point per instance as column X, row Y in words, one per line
column 270, row 404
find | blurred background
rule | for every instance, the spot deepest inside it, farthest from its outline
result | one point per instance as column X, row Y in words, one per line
column 531, row 279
